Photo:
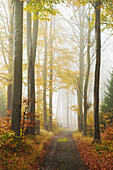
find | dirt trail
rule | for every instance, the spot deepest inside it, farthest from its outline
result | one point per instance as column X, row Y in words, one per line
column 63, row 154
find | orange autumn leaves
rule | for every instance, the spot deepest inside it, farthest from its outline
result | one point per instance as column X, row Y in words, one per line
column 97, row 157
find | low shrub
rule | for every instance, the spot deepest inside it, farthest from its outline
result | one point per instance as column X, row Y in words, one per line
column 108, row 134
column 8, row 140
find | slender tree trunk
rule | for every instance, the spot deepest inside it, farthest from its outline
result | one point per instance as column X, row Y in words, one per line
column 97, row 72
column 67, row 108
column 9, row 96
column 17, row 89
column 71, row 118
column 86, row 82
column 29, row 49
column 45, row 79
column 10, row 69
column 81, row 71
column 38, row 87
column 57, row 109
column 51, row 77
column 31, row 71
column 32, row 74
column 78, row 110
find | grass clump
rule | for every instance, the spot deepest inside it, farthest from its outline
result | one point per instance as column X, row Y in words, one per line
column 63, row 139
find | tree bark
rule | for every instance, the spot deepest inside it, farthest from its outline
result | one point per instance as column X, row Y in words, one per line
column 67, row 108
column 97, row 72
column 38, row 88
column 45, row 79
column 32, row 44
column 10, row 58
column 81, row 72
column 86, row 81
column 51, row 78
column 17, row 89
column 9, row 96
column 29, row 49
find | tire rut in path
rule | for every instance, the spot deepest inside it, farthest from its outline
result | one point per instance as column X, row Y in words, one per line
column 63, row 154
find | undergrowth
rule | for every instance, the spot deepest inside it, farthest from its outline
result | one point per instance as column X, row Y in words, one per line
column 17, row 153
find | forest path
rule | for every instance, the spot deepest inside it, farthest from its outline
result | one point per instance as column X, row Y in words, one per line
column 63, row 154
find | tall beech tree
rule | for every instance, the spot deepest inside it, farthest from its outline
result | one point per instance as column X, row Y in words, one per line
column 45, row 78
column 10, row 68
column 51, row 77
column 17, row 87
column 43, row 9
column 97, row 6
column 31, row 52
column 87, row 79
column 67, row 116
column 77, row 24
column 97, row 71
column 81, row 68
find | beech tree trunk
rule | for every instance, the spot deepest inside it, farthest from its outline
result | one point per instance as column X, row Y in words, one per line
column 29, row 52
column 97, row 72
column 81, row 72
column 38, row 87
column 67, row 108
column 10, row 58
column 31, row 49
column 9, row 96
column 57, row 109
column 17, row 88
column 45, row 79
column 86, row 82
column 51, row 78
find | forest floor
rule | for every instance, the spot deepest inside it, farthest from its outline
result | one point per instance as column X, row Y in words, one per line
column 16, row 154
column 63, row 154
column 61, row 150
column 96, row 156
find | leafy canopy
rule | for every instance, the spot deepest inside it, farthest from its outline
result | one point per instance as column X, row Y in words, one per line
column 42, row 7
column 106, row 10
